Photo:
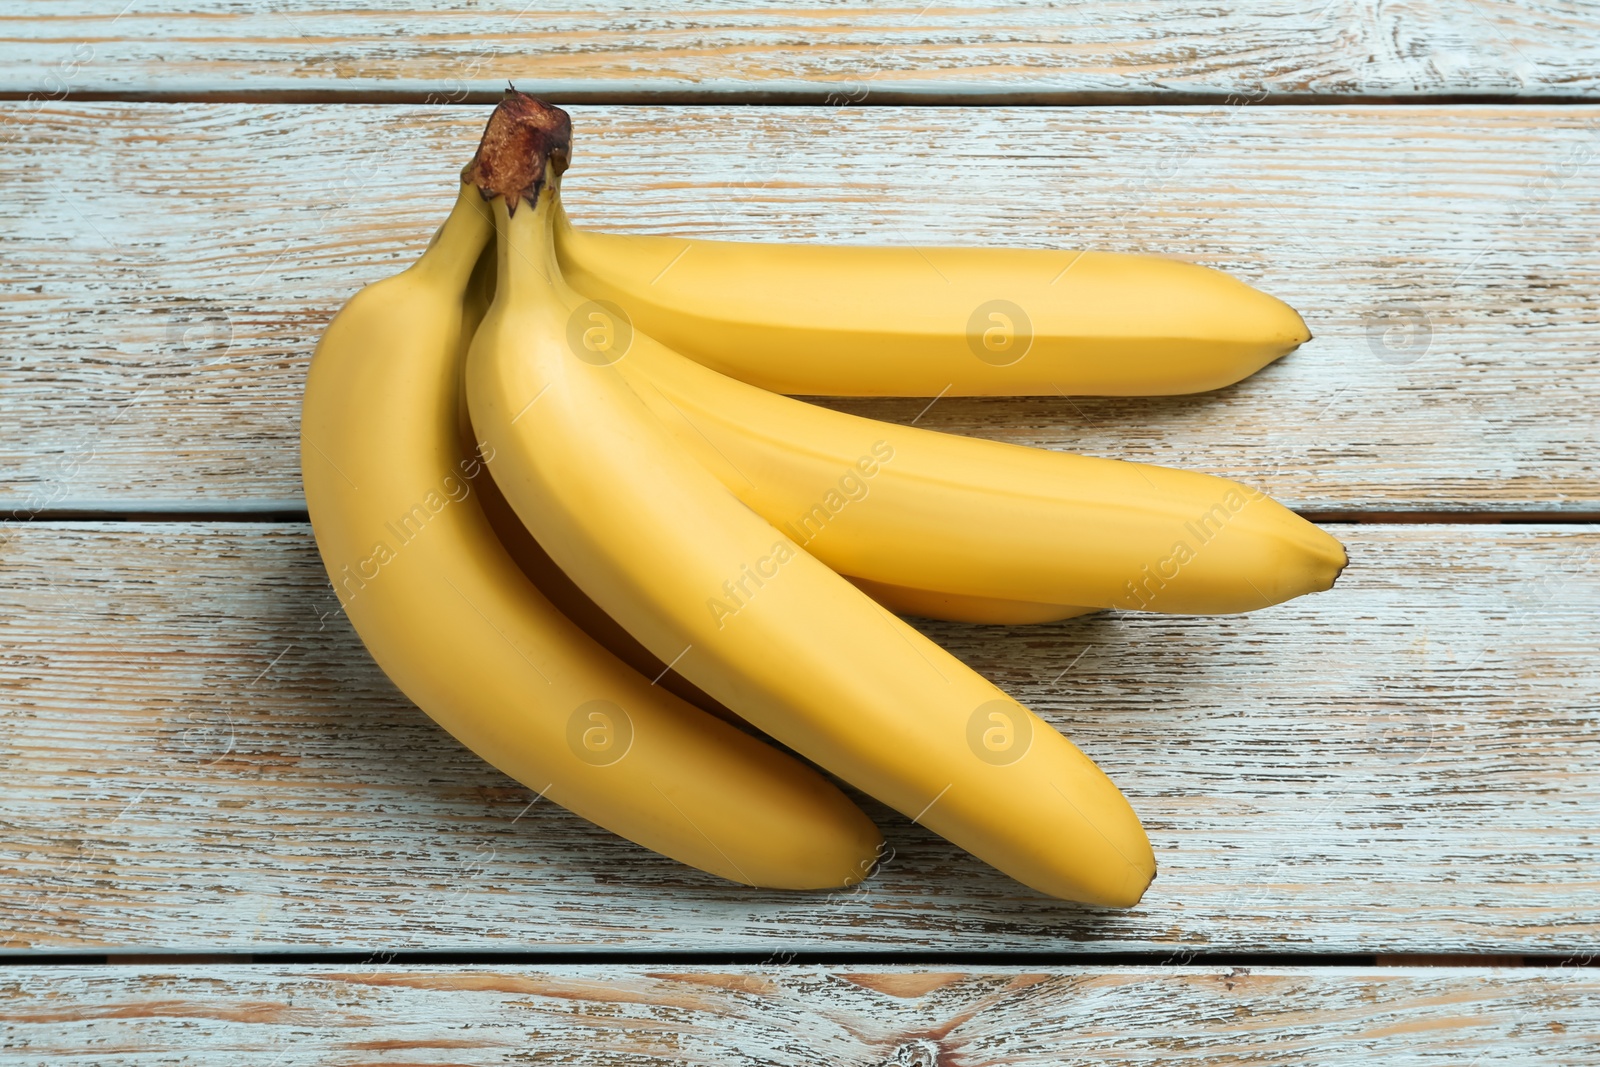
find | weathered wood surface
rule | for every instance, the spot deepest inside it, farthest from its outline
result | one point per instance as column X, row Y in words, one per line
column 322, row 1016
column 856, row 53
column 171, row 266
column 198, row 755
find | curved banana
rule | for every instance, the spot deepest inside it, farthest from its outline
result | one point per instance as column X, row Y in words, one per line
column 842, row 320
column 709, row 586
column 463, row 633
column 972, row 530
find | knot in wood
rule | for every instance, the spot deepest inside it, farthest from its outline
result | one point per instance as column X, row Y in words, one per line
column 918, row 1052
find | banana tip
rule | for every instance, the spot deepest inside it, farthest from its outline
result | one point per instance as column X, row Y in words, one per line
column 1302, row 333
column 1344, row 565
column 1143, row 889
column 1134, row 889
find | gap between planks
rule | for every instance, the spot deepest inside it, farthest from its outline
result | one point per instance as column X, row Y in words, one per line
column 1182, row 960
column 282, row 512
column 808, row 98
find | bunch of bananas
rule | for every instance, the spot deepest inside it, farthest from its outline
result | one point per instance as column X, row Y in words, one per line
column 565, row 504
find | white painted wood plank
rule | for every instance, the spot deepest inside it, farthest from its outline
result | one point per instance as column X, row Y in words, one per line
column 171, row 266
column 855, row 52
column 323, row 1016
column 196, row 754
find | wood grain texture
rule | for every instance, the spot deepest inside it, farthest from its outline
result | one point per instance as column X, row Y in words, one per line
column 855, row 52
column 196, row 754
column 170, row 268
column 324, row 1016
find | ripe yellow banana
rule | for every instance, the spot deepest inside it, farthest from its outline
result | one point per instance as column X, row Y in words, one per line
column 708, row 585
column 977, row 531
column 846, row 320
column 450, row 618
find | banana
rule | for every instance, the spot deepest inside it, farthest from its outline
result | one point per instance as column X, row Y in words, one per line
column 739, row 609
column 463, row 633
column 904, row 321
column 971, row 530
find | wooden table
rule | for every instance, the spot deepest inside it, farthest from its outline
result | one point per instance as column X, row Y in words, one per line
column 227, row 839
